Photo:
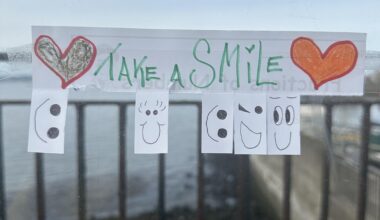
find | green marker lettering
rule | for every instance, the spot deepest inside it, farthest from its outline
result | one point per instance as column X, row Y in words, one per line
column 258, row 83
column 203, row 62
column 137, row 67
column 149, row 72
column 110, row 59
column 124, row 66
column 176, row 76
column 273, row 66
column 227, row 58
column 249, row 72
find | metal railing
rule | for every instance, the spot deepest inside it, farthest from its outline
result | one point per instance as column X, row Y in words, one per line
column 242, row 186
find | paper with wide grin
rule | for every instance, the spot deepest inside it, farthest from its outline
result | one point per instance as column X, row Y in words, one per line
column 250, row 123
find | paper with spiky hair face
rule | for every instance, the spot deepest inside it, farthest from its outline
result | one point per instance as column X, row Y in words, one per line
column 151, row 122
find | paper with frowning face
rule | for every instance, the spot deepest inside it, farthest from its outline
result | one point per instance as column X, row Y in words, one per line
column 47, row 121
column 250, row 123
column 283, row 123
column 217, row 122
column 151, row 122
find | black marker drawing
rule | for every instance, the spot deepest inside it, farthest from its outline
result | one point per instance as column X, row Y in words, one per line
column 221, row 114
column 207, row 126
column 241, row 108
column 222, row 132
column 152, row 120
column 247, row 134
column 258, row 109
column 35, row 120
column 289, row 115
column 277, row 115
column 244, row 127
column 283, row 119
column 287, row 145
column 55, row 109
column 52, row 132
column 157, row 137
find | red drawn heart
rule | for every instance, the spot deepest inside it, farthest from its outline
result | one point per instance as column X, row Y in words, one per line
column 75, row 61
column 337, row 61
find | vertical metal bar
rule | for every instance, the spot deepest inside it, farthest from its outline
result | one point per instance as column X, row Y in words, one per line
column 200, row 179
column 377, row 197
column 242, row 188
column 3, row 212
column 325, row 191
column 81, row 163
column 247, row 188
column 363, row 166
column 161, row 187
column 40, row 185
column 287, row 187
column 122, row 163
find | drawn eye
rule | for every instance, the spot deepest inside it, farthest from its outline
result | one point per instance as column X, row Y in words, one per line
column 258, row 109
column 147, row 112
column 241, row 108
column 222, row 133
column 55, row 109
column 53, row 132
column 155, row 112
column 277, row 115
column 289, row 115
column 221, row 114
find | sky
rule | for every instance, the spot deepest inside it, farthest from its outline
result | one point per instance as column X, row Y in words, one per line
column 17, row 16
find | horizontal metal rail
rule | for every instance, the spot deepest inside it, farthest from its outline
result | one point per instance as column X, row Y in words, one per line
column 80, row 106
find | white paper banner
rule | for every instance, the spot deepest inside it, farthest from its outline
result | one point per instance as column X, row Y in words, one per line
column 217, row 122
column 47, row 121
column 151, row 122
column 283, row 124
column 316, row 63
column 250, row 126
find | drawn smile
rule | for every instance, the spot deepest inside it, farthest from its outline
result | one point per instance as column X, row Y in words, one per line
column 207, row 124
column 287, row 145
column 153, row 134
column 249, row 138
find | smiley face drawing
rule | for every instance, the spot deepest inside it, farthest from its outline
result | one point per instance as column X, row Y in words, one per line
column 283, row 125
column 151, row 122
column 217, row 123
column 151, row 127
column 250, row 123
column 221, row 133
column 47, row 121
column 55, row 111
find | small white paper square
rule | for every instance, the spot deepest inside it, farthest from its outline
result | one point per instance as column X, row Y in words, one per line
column 250, row 125
column 283, row 124
column 217, row 122
column 47, row 121
column 151, row 121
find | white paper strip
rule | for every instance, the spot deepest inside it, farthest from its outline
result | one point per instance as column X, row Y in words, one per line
column 250, row 130
column 47, row 121
column 283, row 124
column 151, row 122
column 217, row 122
column 114, row 59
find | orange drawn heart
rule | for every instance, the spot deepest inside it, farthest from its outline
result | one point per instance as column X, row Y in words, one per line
column 337, row 61
column 70, row 65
